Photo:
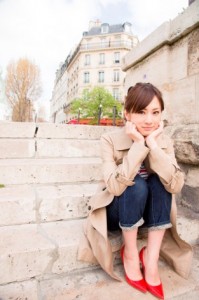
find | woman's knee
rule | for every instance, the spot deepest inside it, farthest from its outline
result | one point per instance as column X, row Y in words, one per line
column 138, row 191
column 156, row 186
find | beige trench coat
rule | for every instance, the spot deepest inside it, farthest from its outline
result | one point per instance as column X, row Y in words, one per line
column 121, row 161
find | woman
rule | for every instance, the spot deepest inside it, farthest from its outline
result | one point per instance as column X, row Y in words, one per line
column 140, row 174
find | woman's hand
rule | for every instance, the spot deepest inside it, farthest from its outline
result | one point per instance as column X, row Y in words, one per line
column 132, row 132
column 151, row 138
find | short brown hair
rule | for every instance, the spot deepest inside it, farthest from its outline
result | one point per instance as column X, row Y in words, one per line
column 140, row 95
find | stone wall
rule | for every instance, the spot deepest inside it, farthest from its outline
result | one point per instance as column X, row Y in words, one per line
column 169, row 58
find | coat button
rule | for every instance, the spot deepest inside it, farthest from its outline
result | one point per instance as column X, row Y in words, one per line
column 89, row 207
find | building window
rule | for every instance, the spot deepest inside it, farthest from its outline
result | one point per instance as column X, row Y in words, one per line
column 102, row 58
column 103, row 43
column 87, row 60
column 101, row 76
column 117, row 41
column 127, row 27
column 104, row 28
column 116, row 75
column 87, row 44
column 116, row 94
column 116, row 57
column 86, row 77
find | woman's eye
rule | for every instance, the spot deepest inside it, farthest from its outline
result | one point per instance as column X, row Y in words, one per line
column 156, row 112
column 141, row 112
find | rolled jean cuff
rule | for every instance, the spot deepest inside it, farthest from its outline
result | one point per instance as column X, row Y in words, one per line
column 132, row 227
column 160, row 227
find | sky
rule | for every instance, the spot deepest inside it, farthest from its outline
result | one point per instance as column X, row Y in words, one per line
column 45, row 31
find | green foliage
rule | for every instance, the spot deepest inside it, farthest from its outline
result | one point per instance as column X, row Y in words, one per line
column 91, row 102
column 2, row 186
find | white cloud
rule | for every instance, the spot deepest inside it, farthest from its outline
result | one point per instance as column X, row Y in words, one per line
column 148, row 15
column 46, row 30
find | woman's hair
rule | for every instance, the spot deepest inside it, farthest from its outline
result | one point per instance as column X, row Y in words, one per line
column 140, row 95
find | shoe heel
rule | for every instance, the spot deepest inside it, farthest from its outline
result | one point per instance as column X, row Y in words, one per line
column 156, row 290
column 138, row 284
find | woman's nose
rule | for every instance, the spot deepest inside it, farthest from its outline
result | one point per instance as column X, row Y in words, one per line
column 148, row 118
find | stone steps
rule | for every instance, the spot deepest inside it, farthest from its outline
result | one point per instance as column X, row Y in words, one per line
column 59, row 170
column 46, row 196
column 48, row 148
column 96, row 284
column 32, row 250
column 22, row 130
column 24, row 204
column 40, row 250
column 37, row 250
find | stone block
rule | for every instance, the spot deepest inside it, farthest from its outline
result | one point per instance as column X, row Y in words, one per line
column 193, row 46
column 64, row 202
column 26, row 290
column 25, row 253
column 67, row 148
column 178, row 60
column 192, row 177
column 188, row 229
column 17, row 129
column 26, row 171
column 190, row 197
column 186, row 142
column 184, row 22
column 66, row 235
column 17, row 205
column 182, row 105
column 17, row 148
column 158, row 37
column 146, row 70
column 57, row 131
column 166, row 34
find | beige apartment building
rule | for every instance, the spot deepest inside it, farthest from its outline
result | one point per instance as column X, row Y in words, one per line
column 96, row 61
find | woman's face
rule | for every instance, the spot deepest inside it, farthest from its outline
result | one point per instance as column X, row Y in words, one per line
column 148, row 119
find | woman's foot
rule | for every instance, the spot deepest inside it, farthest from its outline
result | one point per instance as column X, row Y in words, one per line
column 151, row 274
column 132, row 270
column 132, row 265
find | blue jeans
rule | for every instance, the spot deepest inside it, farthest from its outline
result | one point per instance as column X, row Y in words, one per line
column 146, row 204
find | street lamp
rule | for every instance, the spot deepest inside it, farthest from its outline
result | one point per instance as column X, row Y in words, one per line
column 99, row 114
column 114, row 114
column 79, row 111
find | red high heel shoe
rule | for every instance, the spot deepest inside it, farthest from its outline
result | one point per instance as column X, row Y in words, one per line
column 156, row 290
column 138, row 284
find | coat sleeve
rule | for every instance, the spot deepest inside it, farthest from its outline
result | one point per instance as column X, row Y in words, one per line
column 164, row 164
column 118, row 177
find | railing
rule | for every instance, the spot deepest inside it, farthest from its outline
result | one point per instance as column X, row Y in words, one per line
column 107, row 44
column 102, row 45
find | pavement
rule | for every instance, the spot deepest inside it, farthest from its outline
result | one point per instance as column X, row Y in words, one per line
column 97, row 285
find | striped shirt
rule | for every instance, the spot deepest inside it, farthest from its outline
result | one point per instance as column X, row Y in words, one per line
column 143, row 172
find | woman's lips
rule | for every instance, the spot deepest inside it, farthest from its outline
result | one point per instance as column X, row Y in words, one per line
column 147, row 128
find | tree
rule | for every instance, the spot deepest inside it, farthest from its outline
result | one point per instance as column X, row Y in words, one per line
column 23, row 87
column 91, row 102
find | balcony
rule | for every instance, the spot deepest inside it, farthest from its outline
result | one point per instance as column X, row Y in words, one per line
column 99, row 46
column 105, row 45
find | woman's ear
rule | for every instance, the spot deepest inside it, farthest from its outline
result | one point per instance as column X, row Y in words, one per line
column 127, row 115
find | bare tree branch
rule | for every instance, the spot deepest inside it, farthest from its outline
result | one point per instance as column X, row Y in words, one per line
column 23, row 87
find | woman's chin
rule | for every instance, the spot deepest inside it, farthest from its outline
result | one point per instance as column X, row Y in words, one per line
column 145, row 134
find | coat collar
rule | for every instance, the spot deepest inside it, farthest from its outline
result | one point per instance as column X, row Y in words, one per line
column 122, row 142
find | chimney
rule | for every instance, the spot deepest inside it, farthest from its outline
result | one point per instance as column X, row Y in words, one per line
column 95, row 23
